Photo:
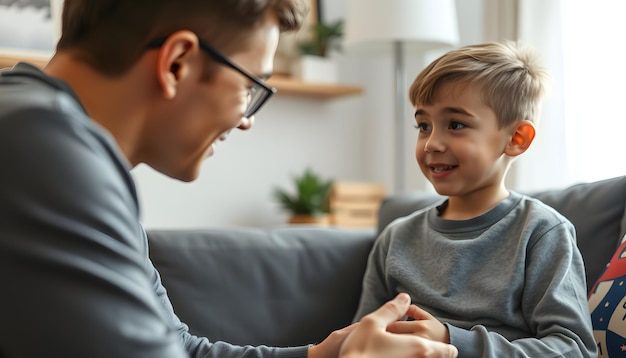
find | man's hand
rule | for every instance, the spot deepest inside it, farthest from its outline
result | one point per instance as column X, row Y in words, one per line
column 371, row 338
column 424, row 325
column 330, row 346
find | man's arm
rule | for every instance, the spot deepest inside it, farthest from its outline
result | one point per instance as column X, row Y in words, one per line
column 74, row 283
column 201, row 346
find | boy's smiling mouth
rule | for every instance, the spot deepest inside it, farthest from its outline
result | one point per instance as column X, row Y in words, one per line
column 442, row 168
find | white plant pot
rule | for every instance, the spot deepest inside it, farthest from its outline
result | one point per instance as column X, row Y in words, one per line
column 309, row 68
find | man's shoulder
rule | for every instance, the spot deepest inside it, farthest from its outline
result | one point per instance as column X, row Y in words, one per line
column 25, row 92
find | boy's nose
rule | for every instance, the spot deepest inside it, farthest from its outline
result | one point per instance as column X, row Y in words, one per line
column 434, row 143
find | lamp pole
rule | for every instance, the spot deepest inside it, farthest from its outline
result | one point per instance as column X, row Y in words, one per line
column 400, row 124
column 409, row 26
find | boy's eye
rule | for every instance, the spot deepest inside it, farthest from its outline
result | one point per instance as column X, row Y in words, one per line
column 457, row 125
column 422, row 127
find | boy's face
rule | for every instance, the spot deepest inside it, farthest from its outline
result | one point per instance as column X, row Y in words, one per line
column 460, row 148
column 206, row 111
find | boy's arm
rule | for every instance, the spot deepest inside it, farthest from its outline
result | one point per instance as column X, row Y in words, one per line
column 554, row 305
column 375, row 291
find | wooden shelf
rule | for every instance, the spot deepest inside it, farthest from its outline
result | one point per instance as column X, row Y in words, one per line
column 10, row 59
column 285, row 85
column 293, row 87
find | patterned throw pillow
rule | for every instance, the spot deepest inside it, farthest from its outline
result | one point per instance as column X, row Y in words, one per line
column 607, row 304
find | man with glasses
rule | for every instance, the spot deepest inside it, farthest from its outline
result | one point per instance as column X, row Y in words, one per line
column 141, row 81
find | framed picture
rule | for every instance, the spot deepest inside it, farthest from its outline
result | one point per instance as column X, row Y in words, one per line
column 29, row 28
column 288, row 43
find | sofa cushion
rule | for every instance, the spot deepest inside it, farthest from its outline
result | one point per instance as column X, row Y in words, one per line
column 282, row 287
column 607, row 303
column 596, row 209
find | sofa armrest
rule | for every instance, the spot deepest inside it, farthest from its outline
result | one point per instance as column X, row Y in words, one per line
column 282, row 287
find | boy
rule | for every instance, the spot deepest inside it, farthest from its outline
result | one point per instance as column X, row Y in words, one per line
column 495, row 273
column 154, row 82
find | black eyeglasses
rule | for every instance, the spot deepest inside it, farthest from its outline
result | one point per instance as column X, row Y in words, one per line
column 258, row 94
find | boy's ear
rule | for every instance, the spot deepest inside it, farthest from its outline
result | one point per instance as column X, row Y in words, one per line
column 522, row 138
column 173, row 61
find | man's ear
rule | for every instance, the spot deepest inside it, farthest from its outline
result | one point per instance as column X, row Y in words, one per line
column 173, row 62
column 521, row 139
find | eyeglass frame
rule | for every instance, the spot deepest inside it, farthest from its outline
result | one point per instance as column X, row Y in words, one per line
column 224, row 60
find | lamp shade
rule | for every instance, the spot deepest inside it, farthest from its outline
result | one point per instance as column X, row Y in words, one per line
column 374, row 25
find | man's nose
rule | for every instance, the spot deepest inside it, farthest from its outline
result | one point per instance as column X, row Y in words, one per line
column 246, row 123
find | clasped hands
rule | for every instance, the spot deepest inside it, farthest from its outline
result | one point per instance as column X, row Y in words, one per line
column 423, row 325
column 381, row 335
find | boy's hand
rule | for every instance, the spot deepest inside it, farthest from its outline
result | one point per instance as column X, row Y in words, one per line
column 424, row 325
column 372, row 339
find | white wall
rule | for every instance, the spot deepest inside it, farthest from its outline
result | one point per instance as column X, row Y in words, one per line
column 348, row 138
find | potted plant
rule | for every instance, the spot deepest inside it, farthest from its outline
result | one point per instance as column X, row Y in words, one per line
column 313, row 65
column 309, row 204
column 323, row 37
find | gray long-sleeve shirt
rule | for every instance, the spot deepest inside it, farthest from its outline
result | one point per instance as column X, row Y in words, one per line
column 75, row 277
column 509, row 283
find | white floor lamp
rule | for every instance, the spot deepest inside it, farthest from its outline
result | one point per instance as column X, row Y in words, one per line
column 383, row 26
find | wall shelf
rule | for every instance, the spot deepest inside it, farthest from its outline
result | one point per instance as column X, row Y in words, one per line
column 10, row 59
column 289, row 86
column 285, row 85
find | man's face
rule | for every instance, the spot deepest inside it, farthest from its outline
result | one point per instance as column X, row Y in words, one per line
column 206, row 112
column 460, row 148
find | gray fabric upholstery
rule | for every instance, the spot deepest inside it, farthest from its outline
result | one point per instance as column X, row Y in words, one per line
column 293, row 286
column 284, row 287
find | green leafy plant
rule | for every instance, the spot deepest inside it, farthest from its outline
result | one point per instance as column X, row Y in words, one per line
column 311, row 197
column 323, row 37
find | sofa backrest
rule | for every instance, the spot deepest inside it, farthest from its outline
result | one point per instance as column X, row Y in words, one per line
column 282, row 287
column 293, row 286
column 596, row 209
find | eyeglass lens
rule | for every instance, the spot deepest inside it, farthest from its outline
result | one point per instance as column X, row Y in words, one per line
column 258, row 96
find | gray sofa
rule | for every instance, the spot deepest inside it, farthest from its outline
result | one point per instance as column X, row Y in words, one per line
column 293, row 285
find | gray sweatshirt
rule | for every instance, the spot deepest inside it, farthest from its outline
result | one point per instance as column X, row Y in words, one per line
column 509, row 283
column 75, row 276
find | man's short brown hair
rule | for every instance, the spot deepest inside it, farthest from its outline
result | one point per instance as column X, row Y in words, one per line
column 111, row 35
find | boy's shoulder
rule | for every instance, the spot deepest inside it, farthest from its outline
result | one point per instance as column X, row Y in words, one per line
column 520, row 210
column 418, row 214
column 535, row 205
column 534, row 212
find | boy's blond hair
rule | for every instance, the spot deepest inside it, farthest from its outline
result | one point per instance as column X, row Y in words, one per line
column 508, row 75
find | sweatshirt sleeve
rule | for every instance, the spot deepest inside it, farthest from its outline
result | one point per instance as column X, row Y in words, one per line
column 72, row 261
column 74, row 283
column 375, row 291
column 201, row 347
